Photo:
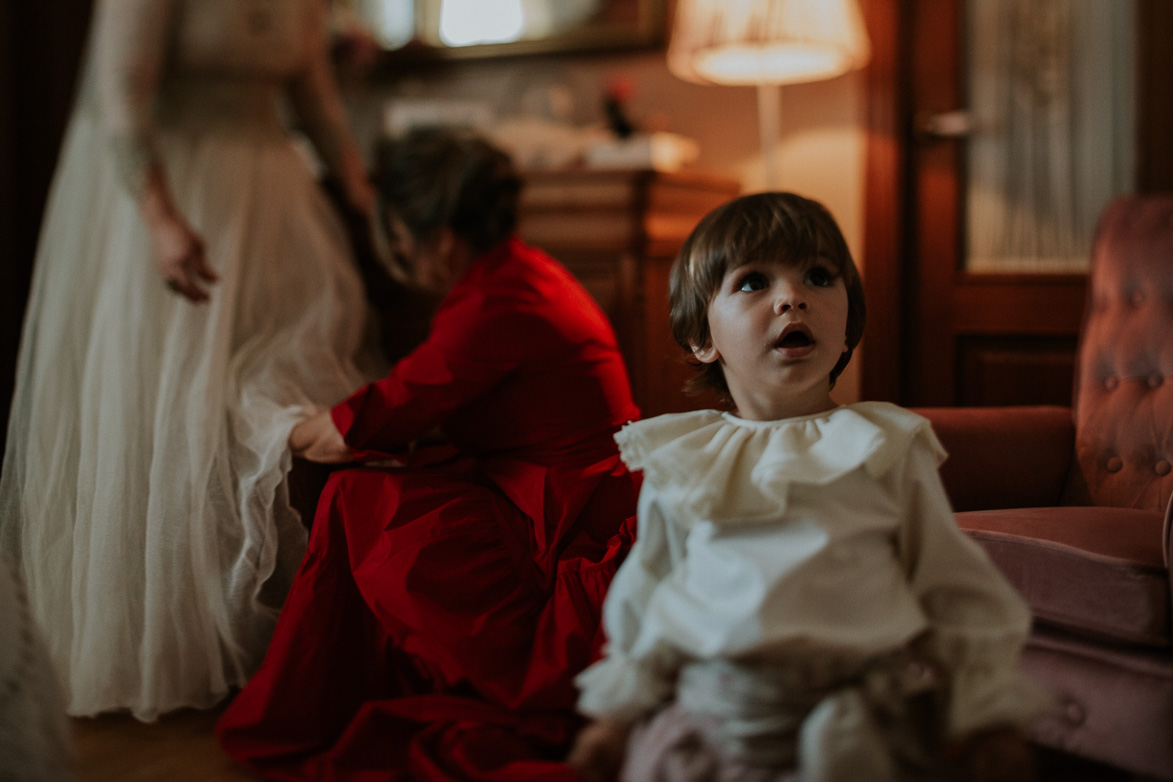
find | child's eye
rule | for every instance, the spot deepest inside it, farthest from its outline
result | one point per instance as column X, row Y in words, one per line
column 754, row 281
column 820, row 277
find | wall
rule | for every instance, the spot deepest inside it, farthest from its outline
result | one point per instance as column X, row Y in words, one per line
column 821, row 152
column 40, row 48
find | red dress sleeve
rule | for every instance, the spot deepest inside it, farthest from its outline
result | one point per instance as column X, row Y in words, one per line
column 480, row 334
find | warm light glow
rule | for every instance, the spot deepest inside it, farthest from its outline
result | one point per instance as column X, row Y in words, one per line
column 766, row 41
column 392, row 21
column 466, row 22
column 774, row 64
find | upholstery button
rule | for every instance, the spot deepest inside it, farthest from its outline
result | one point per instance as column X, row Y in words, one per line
column 1074, row 713
column 1162, row 468
column 1115, row 464
column 1137, row 298
column 1155, row 380
column 1111, row 382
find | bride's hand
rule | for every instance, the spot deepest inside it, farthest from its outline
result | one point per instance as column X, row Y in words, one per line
column 180, row 259
column 178, row 250
column 318, row 440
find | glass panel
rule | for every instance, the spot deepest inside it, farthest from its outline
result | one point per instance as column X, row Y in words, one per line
column 392, row 22
column 483, row 28
column 1051, row 94
column 469, row 22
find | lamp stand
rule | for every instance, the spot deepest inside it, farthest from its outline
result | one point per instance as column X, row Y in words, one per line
column 769, row 125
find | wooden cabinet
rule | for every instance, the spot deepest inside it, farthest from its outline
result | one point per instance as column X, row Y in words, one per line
column 618, row 232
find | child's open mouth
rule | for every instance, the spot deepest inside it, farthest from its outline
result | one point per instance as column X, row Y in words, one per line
column 796, row 341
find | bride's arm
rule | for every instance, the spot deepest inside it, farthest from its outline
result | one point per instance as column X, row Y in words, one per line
column 131, row 48
column 315, row 98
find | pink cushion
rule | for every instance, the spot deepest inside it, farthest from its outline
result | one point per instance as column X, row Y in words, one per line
column 1094, row 571
column 1114, row 704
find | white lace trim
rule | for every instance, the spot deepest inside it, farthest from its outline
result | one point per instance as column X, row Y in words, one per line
column 715, row 466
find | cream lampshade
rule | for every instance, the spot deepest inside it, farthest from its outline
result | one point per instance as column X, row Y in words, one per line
column 766, row 43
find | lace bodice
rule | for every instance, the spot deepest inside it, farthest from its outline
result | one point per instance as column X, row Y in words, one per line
column 210, row 66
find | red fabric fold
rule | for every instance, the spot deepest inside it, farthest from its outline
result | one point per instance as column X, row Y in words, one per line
column 443, row 609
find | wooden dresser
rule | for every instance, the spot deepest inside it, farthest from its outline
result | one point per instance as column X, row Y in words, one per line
column 618, row 232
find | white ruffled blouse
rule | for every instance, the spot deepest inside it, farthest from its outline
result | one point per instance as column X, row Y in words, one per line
column 822, row 535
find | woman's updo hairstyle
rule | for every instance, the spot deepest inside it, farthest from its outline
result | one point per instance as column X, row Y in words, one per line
column 433, row 178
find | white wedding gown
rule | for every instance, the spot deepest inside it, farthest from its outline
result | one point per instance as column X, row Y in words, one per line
column 144, row 487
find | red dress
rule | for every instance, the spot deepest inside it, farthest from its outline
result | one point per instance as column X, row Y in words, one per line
column 442, row 609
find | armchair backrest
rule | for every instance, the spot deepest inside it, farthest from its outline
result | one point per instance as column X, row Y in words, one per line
column 1124, row 371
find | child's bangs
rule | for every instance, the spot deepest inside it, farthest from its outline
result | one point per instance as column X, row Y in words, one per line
column 781, row 236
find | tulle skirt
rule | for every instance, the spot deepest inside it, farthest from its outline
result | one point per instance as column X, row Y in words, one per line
column 144, row 488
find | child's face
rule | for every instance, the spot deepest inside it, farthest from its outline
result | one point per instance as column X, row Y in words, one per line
column 778, row 330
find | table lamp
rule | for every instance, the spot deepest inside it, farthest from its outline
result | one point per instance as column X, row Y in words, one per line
column 766, row 43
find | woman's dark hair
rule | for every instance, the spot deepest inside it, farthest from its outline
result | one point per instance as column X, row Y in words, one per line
column 778, row 226
column 433, row 178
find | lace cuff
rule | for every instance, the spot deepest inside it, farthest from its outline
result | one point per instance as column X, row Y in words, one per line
column 986, row 687
column 985, row 696
column 622, row 689
column 132, row 162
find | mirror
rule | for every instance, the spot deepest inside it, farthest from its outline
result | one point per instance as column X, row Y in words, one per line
column 430, row 29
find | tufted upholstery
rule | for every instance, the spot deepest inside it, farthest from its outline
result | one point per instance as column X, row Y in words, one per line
column 1126, row 358
column 1074, row 504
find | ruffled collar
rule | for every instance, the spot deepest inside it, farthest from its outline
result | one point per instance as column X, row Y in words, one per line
column 716, row 466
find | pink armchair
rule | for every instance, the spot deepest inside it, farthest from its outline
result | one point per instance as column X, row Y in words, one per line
column 1074, row 504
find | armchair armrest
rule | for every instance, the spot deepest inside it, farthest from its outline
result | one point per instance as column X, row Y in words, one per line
column 1004, row 457
column 1167, row 538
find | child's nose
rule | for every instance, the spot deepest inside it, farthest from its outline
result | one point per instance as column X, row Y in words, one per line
column 790, row 297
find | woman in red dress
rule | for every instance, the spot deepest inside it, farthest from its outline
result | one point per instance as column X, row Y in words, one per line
column 444, row 606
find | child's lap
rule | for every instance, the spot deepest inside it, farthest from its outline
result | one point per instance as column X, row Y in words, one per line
column 675, row 746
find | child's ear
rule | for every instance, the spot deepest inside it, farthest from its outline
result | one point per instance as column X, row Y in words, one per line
column 707, row 353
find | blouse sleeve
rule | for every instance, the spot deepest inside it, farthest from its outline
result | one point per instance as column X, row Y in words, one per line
column 474, row 344
column 636, row 672
column 314, row 97
column 131, row 43
column 978, row 621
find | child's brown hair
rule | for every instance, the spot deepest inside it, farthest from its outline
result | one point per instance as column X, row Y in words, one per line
column 775, row 225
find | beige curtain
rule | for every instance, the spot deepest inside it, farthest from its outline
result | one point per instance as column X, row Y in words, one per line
column 1051, row 92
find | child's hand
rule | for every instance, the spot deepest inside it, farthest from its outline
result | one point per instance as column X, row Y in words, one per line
column 598, row 750
column 1000, row 755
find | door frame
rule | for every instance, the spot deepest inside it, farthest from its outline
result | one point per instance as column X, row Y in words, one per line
column 890, row 190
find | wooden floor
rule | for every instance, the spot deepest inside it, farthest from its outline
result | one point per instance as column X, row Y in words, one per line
column 181, row 747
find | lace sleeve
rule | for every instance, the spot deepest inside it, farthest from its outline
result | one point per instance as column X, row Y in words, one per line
column 637, row 670
column 978, row 622
column 315, row 99
column 131, row 42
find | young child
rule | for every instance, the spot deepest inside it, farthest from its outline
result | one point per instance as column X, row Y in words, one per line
column 799, row 596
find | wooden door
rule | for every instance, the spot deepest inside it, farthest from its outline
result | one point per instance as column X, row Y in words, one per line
column 939, row 334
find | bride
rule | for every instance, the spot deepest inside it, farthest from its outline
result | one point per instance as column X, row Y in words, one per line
column 192, row 297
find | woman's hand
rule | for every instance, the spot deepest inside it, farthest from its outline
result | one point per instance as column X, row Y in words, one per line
column 178, row 250
column 598, row 751
column 362, row 197
column 1000, row 755
column 318, row 440
column 180, row 259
